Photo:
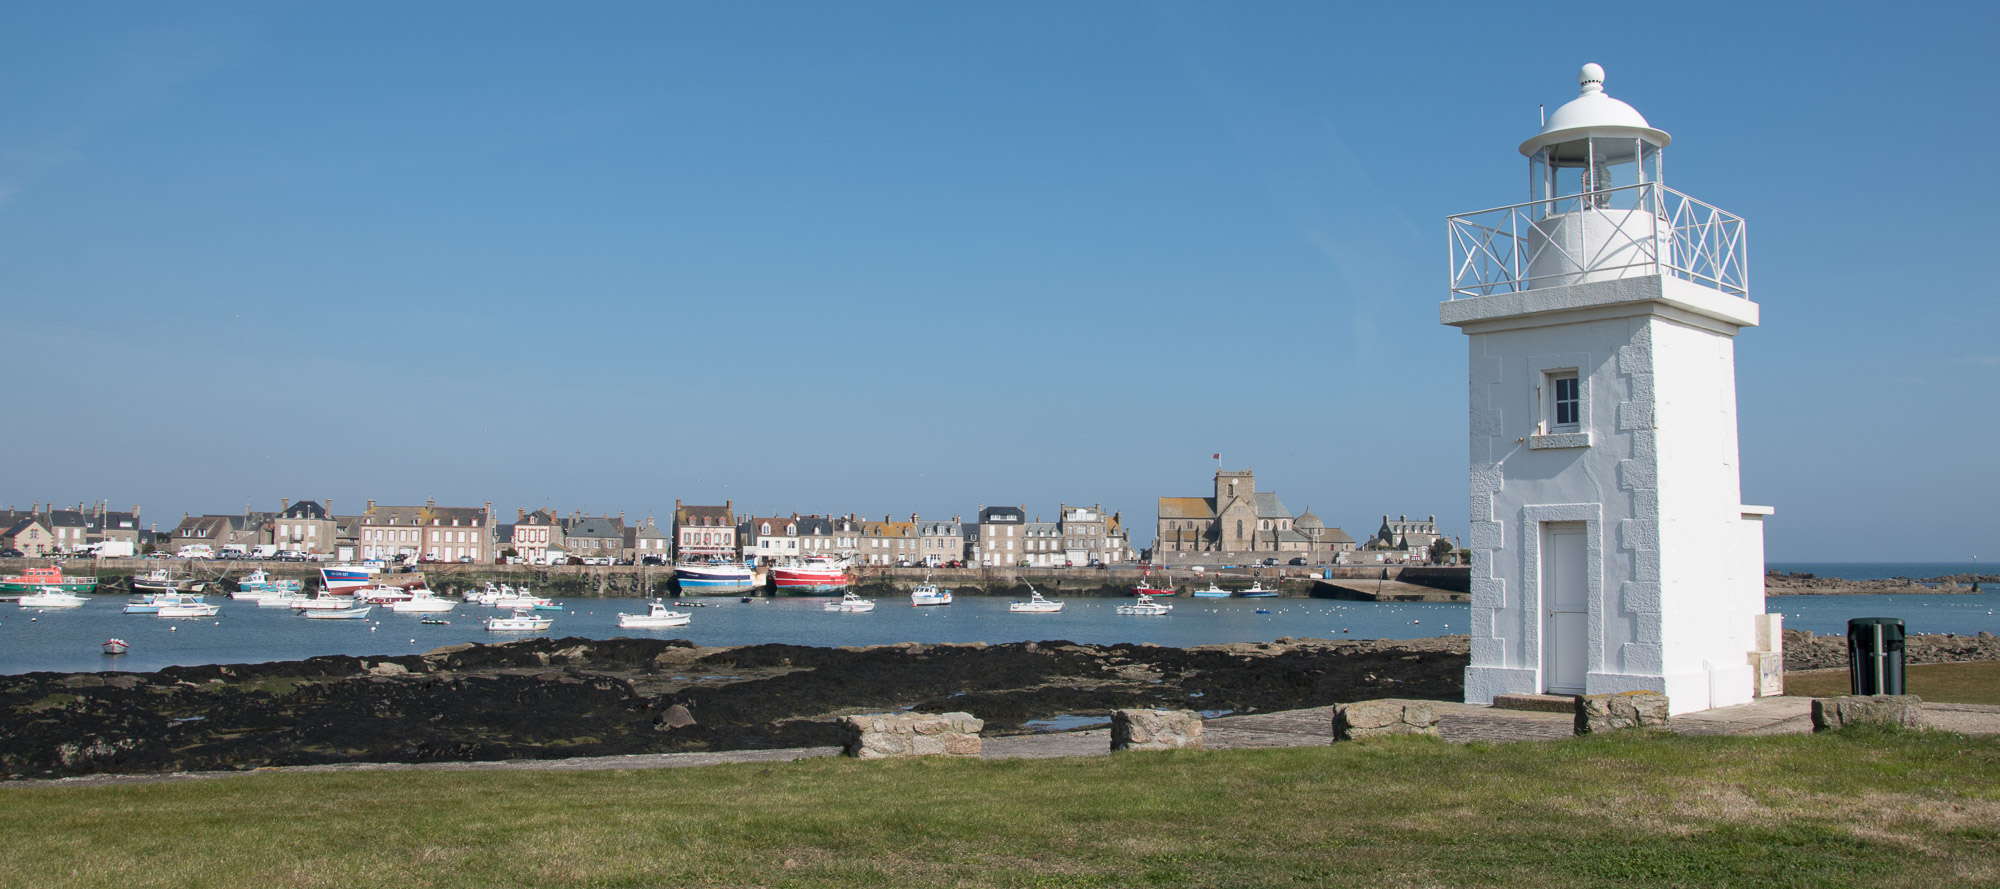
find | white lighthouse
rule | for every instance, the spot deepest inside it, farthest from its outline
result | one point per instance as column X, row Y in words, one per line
column 1611, row 550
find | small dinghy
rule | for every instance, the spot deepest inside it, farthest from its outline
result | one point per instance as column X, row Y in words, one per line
column 116, row 646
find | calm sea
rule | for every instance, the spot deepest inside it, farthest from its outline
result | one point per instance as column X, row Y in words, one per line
column 71, row 640
column 1884, row 570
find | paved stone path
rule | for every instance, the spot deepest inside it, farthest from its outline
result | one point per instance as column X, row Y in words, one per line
column 1459, row 723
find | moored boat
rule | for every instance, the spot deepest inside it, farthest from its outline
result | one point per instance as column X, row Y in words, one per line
column 188, row 609
column 116, row 646
column 356, row 613
column 161, row 580
column 522, row 620
column 259, row 584
column 423, row 604
column 927, row 593
column 714, row 578
column 1257, row 591
column 324, row 603
column 1145, row 589
column 151, row 603
column 1035, row 604
column 815, row 574
column 51, row 597
column 1213, row 592
column 342, row 579
column 36, row 579
column 657, row 616
column 849, row 602
column 1145, row 606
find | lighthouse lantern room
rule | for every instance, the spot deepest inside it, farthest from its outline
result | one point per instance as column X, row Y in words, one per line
column 1611, row 551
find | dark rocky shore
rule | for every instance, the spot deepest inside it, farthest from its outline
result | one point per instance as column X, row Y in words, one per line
column 1779, row 583
column 552, row 698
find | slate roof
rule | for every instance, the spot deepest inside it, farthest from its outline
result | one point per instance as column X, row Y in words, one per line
column 304, row 509
column 941, row 529
column 1002, row 515
column 22, row 525
column 704, row 516
column 503, row 533
column 1335, row 535
column 815, row 526
column 67, row 518
column 1269, row 506
column 1187, row 507
column 599, row 527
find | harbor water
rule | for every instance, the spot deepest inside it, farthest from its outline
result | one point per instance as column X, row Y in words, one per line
column 69, row 640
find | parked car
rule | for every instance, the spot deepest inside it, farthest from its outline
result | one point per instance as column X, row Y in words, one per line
column 10, row 554
column 289, row 555
column 652, row 560
column 1270, row 561
column 1298, row 561
column 465, row 560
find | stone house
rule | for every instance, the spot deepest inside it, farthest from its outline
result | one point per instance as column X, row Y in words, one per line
column 1001, row 537
column 889, row 542
column 1042, row 544
column 1325, row 546
column 1089, row 535
column 71, row 528
column 705, row 532
column 646, row 539
column 109, row 525
column 837, row 537
column 535, row 532
column 432, row 533
column 212, row 531
column 940, row 542
column 594, row 537
column 769, row 539
column 306, row 526
column 31, row 535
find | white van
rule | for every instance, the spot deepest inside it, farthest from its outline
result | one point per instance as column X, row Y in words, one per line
column 197, row 551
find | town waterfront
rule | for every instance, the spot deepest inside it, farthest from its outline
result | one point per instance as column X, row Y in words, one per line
column 70, row 640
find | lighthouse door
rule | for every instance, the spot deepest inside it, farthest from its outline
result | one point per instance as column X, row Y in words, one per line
column 1565, row 607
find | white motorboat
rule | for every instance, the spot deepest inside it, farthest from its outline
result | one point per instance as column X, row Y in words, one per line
column 51, row 597
column 281, row 600
column 188, row 609
column 656, row 617
column 512, row 599
column 1213, row 592
column 1035, row 604
column 849, row 602
column 522, row 620
column 323, row 603
column 1146, row 606
column 423, row 604
column 383, row 595
column 151, row 603
column 927, row 593
column 356, row 613
column 116, row 646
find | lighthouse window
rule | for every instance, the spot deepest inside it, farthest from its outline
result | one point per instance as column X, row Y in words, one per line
column 1566, row 415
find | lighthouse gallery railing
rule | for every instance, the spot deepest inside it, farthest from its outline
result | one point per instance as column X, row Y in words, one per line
column 1629, row 230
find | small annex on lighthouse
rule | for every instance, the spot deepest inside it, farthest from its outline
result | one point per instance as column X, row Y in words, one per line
column 1611, row 549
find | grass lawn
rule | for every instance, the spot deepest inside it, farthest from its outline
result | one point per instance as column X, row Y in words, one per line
column 1856, row 808
column 1970, row 683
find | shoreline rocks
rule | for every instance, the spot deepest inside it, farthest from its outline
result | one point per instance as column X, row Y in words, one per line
column 554, row 698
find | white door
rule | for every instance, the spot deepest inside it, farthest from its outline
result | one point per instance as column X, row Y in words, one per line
column 1566, row 607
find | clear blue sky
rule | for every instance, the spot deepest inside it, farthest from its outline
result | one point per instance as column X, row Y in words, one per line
column 913, row 257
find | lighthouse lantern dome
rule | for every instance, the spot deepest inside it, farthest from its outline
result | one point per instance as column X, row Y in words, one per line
column 1591, row 144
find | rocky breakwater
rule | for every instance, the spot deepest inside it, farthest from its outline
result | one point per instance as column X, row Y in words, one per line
column 1779, row 583
column 554, row 698
column 1806, row 651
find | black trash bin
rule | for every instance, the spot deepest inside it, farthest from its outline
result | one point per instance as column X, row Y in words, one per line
column 1875, row 655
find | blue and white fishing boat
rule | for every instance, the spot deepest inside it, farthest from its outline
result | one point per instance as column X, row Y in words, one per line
column 714, row 578
column 259, row 584
column 1213, row 592
column 341, row 580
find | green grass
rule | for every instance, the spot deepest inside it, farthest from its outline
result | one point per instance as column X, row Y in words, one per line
column 1856, row 808
column 1970, row 683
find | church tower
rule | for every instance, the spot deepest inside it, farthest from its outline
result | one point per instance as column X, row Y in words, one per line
column 1610, row 548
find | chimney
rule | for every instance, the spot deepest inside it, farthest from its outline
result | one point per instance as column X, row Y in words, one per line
column 430, row 503
column 489, row 509
column 913, row 518
column 520, row 513
column 371, row 506
column 284, row 503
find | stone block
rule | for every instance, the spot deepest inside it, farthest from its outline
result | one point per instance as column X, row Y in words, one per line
column 1155, row 730
column 1389, row 716
column 1630, row 709
column 1769, row 669
column 886, row 735
column 1829, row 714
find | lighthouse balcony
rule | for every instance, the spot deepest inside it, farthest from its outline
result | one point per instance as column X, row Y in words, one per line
column 1626, row 232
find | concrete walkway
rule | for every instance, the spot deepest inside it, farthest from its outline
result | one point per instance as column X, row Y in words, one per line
column 1312, row 727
